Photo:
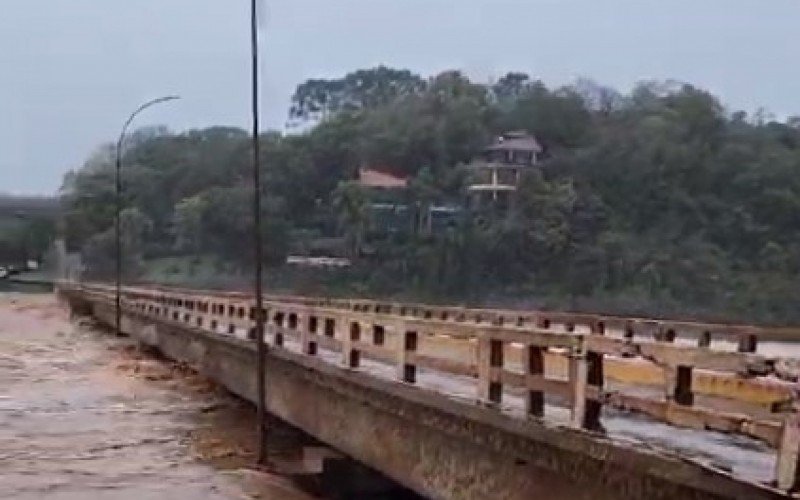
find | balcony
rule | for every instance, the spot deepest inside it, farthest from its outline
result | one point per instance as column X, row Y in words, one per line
column 491, row 187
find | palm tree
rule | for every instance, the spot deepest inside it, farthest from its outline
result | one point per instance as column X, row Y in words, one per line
column 424, row 192
column 352, row 205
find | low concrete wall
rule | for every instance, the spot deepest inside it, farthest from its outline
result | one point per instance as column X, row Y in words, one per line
column 436, row 446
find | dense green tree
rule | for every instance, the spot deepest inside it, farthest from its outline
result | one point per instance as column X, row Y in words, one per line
column 352, row 206
column 659, row 201
column 362, row 89
column 99, row 250
column 189, row 228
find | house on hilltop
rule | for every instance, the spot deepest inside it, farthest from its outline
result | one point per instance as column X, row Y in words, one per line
column 387, row 194
column 391, row 211
column 496, row 173
column 380, row 179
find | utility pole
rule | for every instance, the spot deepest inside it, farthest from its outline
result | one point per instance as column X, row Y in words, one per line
column 118, row 209
column 258, row 247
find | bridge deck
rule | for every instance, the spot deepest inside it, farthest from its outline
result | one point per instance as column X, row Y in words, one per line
column 746, row 458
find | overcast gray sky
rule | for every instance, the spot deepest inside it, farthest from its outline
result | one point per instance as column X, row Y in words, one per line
column 72, row 70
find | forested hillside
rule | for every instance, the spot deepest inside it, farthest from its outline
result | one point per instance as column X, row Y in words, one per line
column 27, row 227
column 660, row 201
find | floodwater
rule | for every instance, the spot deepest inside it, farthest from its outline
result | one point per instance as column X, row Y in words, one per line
column 86, row 415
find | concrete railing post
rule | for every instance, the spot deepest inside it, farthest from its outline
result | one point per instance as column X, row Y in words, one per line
column 578, row 373
column 310, row 325
column 490, row 363
column 277, row 328
column 747, row 342
column 330, row 328
column 787, row 472
column 407, row 345
column 301, row 326
column 534, row 402
column 595, row 378
column 351, row 355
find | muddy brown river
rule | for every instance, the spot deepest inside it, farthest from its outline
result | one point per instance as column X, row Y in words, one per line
column 86, row 415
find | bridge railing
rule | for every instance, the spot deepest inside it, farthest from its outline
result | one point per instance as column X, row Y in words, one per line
column 753, row 391
column 525, row 357
column 743, row 338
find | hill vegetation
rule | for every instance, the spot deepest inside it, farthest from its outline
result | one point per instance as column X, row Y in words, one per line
column 660, row 201
column 27, row 227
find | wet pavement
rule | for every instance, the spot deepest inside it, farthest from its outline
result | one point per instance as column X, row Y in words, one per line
column 86, row 415
column 745, row 458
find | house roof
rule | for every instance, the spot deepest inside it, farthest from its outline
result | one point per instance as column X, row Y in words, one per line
column 368, row 177
column 517, row 141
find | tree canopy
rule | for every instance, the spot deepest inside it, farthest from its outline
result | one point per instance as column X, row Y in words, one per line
column 657, row 201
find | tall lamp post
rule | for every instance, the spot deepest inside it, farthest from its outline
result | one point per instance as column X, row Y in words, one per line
column 118, row 211
column 258, row 245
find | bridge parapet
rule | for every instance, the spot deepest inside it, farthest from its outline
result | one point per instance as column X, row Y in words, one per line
column 572, row 366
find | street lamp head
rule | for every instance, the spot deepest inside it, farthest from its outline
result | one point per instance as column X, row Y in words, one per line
column 146, row 105
column 165, row 99
column 133, row 115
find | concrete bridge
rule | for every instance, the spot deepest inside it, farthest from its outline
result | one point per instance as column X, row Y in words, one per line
column 474, row 403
